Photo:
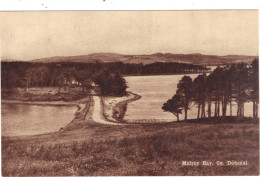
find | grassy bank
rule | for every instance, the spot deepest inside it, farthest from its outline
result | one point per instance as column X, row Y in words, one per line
column 44, row 94
column 152, row 149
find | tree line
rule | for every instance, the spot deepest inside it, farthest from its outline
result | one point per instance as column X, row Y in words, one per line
column 234, row 83
column 106, row 75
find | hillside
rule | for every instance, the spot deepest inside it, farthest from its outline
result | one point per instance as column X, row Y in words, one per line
column 147, row 59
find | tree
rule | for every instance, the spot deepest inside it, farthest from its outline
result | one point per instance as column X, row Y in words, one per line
column 104, row 81
column 111, row 84
column 9, row 80
column 119, row 85
column 84, row 78
column 199, row 93
column 230, row 75
column 209, row 91
column 28, row 78
column 185, row 92
column 174, row 105
column 241, row 85
column 60, row 78
column 86, row 85
column 216, row 89
column 254, row 86
column 224, row 90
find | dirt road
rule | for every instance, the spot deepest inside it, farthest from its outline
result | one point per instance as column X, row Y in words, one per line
column 98, row 112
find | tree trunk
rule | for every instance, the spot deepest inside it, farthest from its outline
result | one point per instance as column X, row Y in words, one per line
column 225, row 111
column 254, row 115
column 198, row 116
column 218, row 108
column 230, row 106
column 178, row 117
column 186, row 112
column 216, row 105
column 224, row 107
column 203, row 110
column 209, row 108
column 201, row 114
column 238, row 112
column 27, row 86
column 242, row 109
column 239, row 109
column 256, row 110
column 59, row 87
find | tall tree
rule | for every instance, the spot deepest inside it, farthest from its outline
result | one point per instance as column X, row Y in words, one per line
column 185, row 92
column 224, row 90
column 216, row 89
column 84, row 78
column 199, row 93
column 174, row 105
column 254, row 86
column 119, row 85
column 209, row 91
column 111, row 84
column 28, row 78
column 242, row 88
column 230, row 76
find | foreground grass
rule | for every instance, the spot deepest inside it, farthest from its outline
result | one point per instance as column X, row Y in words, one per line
column 158, row 150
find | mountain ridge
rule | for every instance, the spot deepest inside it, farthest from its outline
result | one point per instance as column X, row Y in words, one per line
column 193, row 58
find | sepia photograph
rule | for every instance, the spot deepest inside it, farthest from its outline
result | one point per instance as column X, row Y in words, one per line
column 130, row 93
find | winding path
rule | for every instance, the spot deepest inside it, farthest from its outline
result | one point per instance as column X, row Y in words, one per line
column 97, row 113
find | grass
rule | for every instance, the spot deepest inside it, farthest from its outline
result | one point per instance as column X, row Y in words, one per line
column 148, row 150
column 221, row 120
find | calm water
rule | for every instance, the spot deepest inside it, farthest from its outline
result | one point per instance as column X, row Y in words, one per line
column 156, row 90
column 23, row 119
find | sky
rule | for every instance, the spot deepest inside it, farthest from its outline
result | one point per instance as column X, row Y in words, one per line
column 32, row 35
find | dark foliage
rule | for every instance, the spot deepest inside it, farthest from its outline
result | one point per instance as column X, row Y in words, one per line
column 106, row 75
column 235, row 83
column 111, row 84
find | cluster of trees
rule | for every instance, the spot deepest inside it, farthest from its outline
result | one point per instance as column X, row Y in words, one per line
column 235, row 83
column 111, row 84
column 149, row 69
column 168, row 68
column 60, row 74
column 26, row 75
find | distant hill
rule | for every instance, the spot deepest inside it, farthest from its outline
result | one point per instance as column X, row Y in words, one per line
column 6, row 59
column 195, row 58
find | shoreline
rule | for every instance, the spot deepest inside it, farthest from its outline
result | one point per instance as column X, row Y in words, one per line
column 121, row 107
column 82, row 106
column 165, row 74
column 114, row 109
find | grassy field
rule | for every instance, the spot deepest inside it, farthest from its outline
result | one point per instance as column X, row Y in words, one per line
column 138, row 149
